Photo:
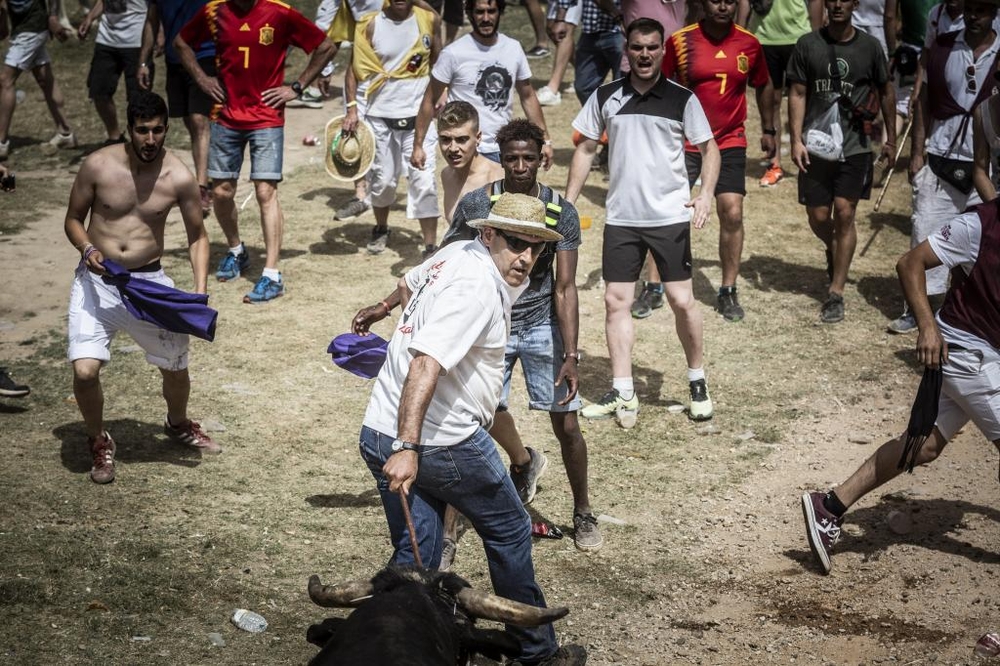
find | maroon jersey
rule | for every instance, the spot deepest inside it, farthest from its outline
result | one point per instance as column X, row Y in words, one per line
column 718, row 73
column 250, row 50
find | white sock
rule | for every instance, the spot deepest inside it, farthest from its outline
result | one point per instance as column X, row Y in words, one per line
column 273, row 273
column 237, row 251
column 624, row 387
column 694, row 374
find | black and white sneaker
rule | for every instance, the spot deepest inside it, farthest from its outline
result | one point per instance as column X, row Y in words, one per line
column 11, row 389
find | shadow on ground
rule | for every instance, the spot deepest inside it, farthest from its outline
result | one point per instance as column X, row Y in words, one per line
column 135, row 442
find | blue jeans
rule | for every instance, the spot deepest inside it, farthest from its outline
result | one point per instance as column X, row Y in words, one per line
column 471, row 477
column 225, row 152
column 540, row 350
column 597, row 53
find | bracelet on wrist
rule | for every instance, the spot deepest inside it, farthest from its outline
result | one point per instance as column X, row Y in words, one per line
column 770, row 132
column 351, row 103
column 386, row 306
column 88, row 250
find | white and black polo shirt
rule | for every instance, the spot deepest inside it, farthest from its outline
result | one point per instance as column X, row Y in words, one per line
column 646, row 134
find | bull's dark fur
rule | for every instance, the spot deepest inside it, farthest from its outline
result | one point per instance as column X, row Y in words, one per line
column 411, row 619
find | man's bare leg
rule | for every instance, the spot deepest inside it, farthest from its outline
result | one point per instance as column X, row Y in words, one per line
column 428, row 227
column 271, row 220
column 730, row 209
column 564, row 53
column 618, row 326
column 224, row 204
column 176, row 391
column 108, row 113
column 89, row 394
column 688, row 320
column 54, row 99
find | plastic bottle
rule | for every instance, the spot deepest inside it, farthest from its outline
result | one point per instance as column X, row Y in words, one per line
column 249, row 621
column 19, row 96
column 988, row 646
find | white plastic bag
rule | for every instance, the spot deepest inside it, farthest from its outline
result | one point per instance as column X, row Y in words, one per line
column 825, row 137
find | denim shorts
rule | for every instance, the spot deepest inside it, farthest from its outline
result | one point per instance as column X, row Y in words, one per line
column 225, row 153
column 540, row 349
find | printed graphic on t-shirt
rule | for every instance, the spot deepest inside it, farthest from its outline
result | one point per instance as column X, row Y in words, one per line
column 493, row 87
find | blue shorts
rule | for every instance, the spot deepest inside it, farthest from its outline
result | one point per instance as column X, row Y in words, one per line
column 225, row 152
column 540, row 349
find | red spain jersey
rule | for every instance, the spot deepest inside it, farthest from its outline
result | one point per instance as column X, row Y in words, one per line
column 718, row 72
column 250, row 50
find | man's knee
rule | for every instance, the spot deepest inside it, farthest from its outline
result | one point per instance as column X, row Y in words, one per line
column 566, row 428
column 86, row 372
column 223, row 189
column 266, row 191
column 8, row 76
column 844, row 212
column 618, row 296
column 680, row 296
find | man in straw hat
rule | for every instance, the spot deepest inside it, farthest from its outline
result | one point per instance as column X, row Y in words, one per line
column 252, row 38
column 390, row 69
column 961, row 342
column 424, row 431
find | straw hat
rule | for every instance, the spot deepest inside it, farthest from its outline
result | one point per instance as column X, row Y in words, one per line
column 348, row 157
column 521, row 214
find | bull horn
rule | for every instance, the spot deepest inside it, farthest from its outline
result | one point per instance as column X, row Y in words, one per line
column 342, row 595
column 491, row 607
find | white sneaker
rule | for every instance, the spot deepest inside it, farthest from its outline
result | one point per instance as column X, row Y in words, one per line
column 310, row 99
column 4, row 149
column 61, row 140
column 548, row 98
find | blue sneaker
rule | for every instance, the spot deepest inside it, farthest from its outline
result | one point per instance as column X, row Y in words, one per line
column 232, row 265
column 265, row 290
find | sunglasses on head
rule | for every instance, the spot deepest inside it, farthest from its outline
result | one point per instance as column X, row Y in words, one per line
column 519, row 245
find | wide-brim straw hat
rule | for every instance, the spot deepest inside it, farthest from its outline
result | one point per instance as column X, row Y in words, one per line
column 521, row 214
column 348, row 157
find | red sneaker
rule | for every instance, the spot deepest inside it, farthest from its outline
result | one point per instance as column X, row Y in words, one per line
column 191, row 434
column 771, row 177
column 102, row 448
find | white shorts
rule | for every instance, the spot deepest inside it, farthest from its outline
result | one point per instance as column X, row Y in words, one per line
column 392, row 160
column 96, row 313
column 27, row 51
column 573, row 14
column 970, row 391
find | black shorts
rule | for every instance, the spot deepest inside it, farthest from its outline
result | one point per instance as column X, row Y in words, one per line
column 625, row 251
column 732, row 173
column 850, row 179
column 107, row 65
column 184, row 97
column 454, row 12
column 777, row 58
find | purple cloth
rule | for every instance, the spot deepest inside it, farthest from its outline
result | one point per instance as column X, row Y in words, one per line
column 363, row 355
column 170, row 309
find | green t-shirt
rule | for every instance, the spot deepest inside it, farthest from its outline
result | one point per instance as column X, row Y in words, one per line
column 862, row 66
column 784, row 24
column 913, row 16
column 28, row 16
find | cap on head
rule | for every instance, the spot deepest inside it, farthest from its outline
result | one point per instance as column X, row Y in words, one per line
column 520, row 214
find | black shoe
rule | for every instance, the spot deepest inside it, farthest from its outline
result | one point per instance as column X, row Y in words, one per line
column 10, row 389
column 649, row 300
column 728, row 304
column 379, row 241
column 833, row 309
column 429, row 250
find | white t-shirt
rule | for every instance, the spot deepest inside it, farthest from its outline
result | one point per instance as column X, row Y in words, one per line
column 121, row 24
column 648, row 183
column 484, row 76
column 957, row 243
column 940, row 22
column 459, row 314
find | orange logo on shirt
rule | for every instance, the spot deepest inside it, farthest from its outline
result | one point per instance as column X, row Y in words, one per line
column 266, row 35
column 742, row 63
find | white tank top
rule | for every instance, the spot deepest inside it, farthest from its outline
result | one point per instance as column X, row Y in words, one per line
column 392, row 41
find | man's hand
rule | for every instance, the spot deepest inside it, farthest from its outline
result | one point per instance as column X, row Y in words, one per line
column 94, row 260
column 547, row 156
column 365, row 317
column 568, row 373
column 888, row 155
column 702, row 205
column 768, row 146
column 418, row 158
column 277, row 97
column 56, row 29
column 210, row 86
column 401, row 470
column 350, row 120
column 84, row 27
column 556, row 30
column 916, row 164
column 932, row 350
column 143, row 77
column 800, row 156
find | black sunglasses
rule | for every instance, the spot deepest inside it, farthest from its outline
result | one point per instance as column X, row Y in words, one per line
column 519, row 245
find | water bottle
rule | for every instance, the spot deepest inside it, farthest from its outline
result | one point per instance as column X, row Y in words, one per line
column 249, row 621
column 988, row 646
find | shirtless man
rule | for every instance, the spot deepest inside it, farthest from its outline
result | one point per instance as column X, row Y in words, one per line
column 467, row 170
column 128, row 189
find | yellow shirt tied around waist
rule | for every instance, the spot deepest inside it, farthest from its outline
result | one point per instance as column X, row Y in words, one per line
column 367, row 64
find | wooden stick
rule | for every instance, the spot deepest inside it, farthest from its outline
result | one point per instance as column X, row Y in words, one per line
column 899, row 151
column 409, row 526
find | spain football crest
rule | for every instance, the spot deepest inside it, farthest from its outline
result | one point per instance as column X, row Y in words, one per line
column 742, row 63
column 266, row 35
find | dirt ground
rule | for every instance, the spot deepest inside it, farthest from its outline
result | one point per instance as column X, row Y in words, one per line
column 705, row 560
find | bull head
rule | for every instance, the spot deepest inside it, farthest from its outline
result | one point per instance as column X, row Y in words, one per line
column 478, row 604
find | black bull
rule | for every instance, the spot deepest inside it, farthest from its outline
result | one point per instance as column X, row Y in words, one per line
column 416, row 617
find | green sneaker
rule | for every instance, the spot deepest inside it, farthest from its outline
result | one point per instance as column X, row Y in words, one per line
column 612, row 405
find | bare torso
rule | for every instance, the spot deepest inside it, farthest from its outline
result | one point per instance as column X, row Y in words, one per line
column 456, row 185
column 129, row 205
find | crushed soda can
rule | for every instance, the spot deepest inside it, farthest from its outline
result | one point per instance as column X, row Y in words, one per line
column 546, row 531
column 310, row 140
column 988, row 646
